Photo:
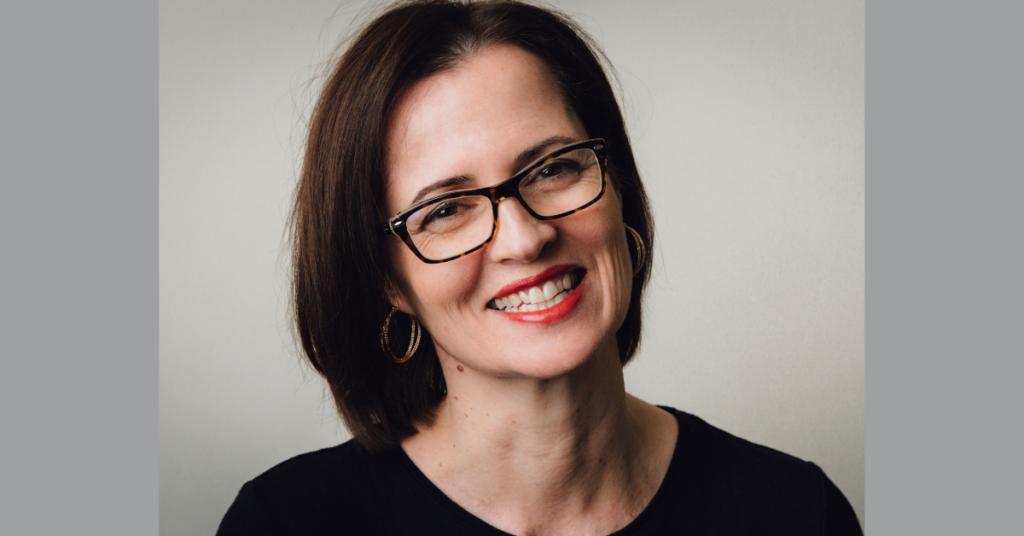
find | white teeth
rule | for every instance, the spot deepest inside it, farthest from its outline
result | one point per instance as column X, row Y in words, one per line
column 549, row 290
column 536, row 298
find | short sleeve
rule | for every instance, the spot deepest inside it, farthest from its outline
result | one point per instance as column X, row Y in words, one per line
column 247, row 516
column 839, row 517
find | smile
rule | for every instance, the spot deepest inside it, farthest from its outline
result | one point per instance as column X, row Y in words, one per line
column 538, row 297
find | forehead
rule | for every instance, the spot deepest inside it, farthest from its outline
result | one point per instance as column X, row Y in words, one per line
column 473, row 120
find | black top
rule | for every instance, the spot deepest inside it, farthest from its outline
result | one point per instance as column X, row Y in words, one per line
column 716, row 484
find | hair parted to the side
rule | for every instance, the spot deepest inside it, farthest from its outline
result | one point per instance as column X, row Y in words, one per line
column 341, row 264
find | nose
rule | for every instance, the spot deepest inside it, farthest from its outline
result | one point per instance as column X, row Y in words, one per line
column 520, row 237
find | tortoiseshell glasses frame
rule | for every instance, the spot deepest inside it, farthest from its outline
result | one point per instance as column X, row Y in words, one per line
column 510, row 189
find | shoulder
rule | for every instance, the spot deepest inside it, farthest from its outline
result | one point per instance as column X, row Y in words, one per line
column 311, row 493
column 722, row 451
column 346, row 462
column 752, row 486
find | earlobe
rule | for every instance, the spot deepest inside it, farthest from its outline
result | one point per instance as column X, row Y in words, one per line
column 401, row 306
column 396, row 297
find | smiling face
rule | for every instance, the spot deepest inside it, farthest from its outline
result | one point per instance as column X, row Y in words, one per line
column 482, row 122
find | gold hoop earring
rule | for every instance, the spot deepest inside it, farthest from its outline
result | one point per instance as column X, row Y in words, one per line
column 641, row 250
column 414, row 342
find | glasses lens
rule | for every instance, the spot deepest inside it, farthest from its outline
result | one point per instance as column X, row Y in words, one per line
column 563, row 183
column 451, row 227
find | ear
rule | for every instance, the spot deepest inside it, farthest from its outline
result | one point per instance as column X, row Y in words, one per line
column 397, row 297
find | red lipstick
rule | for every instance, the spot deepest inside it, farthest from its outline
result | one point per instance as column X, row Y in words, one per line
column 553, row 313
column 526, row 283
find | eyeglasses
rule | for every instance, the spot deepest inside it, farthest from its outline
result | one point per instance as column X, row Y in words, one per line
column 458, row 223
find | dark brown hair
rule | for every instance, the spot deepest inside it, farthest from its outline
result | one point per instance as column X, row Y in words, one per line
column 341, row 265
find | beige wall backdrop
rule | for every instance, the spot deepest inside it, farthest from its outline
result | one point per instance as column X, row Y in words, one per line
column 748, row 124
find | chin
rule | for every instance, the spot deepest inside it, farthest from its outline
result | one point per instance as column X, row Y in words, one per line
column 552, row 363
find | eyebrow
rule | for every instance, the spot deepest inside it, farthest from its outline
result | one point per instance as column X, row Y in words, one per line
column 521, row 160
column 527, row 156
column 445, row 183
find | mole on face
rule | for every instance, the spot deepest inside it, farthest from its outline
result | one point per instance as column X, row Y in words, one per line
column 460, row 368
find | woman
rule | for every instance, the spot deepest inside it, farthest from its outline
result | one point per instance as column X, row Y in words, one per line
column 470, row 251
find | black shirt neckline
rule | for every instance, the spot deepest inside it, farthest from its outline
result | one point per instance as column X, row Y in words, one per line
column 653, row 508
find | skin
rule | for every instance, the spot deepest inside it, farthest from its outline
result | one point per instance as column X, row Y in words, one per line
column 537, row 434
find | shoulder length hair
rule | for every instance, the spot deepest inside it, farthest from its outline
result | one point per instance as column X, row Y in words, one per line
column 341, row 266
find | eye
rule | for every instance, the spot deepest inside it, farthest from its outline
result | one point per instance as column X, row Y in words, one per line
column 558, row 167
column 554, row 174
column 445, row 209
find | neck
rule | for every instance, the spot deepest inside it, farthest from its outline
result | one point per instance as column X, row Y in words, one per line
column 574, row 453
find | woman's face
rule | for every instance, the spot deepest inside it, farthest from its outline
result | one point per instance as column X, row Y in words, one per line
column 476, row 122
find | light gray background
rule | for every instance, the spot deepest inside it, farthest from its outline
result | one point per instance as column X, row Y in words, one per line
column 748, row 125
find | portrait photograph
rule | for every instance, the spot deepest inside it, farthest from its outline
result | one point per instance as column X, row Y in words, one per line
column 487, row 267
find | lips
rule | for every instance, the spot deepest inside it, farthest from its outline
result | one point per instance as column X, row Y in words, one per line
column 537, row 297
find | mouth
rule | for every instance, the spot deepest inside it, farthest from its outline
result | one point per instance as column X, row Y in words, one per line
column 540, row 296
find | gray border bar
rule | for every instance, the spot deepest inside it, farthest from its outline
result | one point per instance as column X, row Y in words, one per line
column 944, row 268
column 78, row 220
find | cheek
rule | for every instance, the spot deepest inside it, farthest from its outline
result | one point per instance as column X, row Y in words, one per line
column 623, row 265
column 437, row 293
column 616, row 262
